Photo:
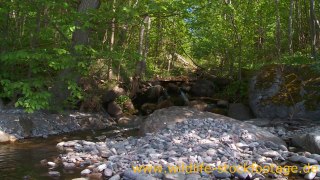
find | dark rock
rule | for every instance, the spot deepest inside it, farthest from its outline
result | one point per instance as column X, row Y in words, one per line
column 223, row 103
column 114, row 109
column 54, row 173
column 280, row 91
column 221, row 174
column 165, row 104
column 132, row 121
column 173, row 89
column 148, row 108
column 1, row 104
column 153, row 93
column 203, row 88
column 239, row 111
column 129, row 107
column 310, row 141
column 112, row 94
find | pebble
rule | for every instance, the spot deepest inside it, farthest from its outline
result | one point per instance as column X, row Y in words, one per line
column 176, row 176
column 115, row 177
column 101, row 167
column 107, row 172
column 85, row 172
column 221, row 174
column 54, row 173
column 212, row 142
column 306, row 160
column 310, row 175
column 52, row 164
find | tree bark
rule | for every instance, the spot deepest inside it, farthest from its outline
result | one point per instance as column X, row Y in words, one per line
column 278, row 30
column 313, row 30
column 290, row 32
column 79, row 37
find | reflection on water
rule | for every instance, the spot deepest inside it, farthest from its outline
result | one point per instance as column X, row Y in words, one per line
column 22, row 159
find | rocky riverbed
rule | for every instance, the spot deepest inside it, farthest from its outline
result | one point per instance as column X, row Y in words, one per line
column 16, row 124
column 210, row 139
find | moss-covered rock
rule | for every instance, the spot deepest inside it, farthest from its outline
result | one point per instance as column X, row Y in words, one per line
column 280, row 91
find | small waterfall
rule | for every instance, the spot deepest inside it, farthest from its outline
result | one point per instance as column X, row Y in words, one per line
column 184, row 97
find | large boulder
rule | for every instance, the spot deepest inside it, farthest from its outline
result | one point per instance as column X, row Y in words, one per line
column 163, row 118
column 310, row 141
column 239, row 111
column 282, row 91
column 114, row 109
column 112, row 94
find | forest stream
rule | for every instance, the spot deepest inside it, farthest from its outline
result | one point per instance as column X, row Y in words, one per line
column 22, row 160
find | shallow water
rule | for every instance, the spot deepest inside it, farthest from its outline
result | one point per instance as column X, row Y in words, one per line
column 21, row 160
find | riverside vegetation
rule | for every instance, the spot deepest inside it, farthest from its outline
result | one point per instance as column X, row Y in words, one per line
column 216, row 82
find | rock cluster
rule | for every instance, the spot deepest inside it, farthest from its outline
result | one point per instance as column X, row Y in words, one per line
column 16, row 124
column 213, row 142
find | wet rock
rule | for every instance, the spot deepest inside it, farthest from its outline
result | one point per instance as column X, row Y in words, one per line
column 114, row 109
column 54, row 173
column 239, row 111
column 203, row 88
column 112, row 94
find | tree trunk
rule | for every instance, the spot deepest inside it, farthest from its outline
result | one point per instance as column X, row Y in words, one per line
column 278, row 31
column 313, row 30
column 113, row 28
column 290, row 32
column 79, row 37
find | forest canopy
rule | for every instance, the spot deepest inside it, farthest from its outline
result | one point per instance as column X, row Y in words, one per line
column 57, row 52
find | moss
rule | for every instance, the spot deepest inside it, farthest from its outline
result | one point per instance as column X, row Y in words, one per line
column 300, row 83
column 266, row 77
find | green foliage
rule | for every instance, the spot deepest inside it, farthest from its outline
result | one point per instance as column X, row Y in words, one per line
column 122, row 99
column 237, row 91
column 39, row 44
